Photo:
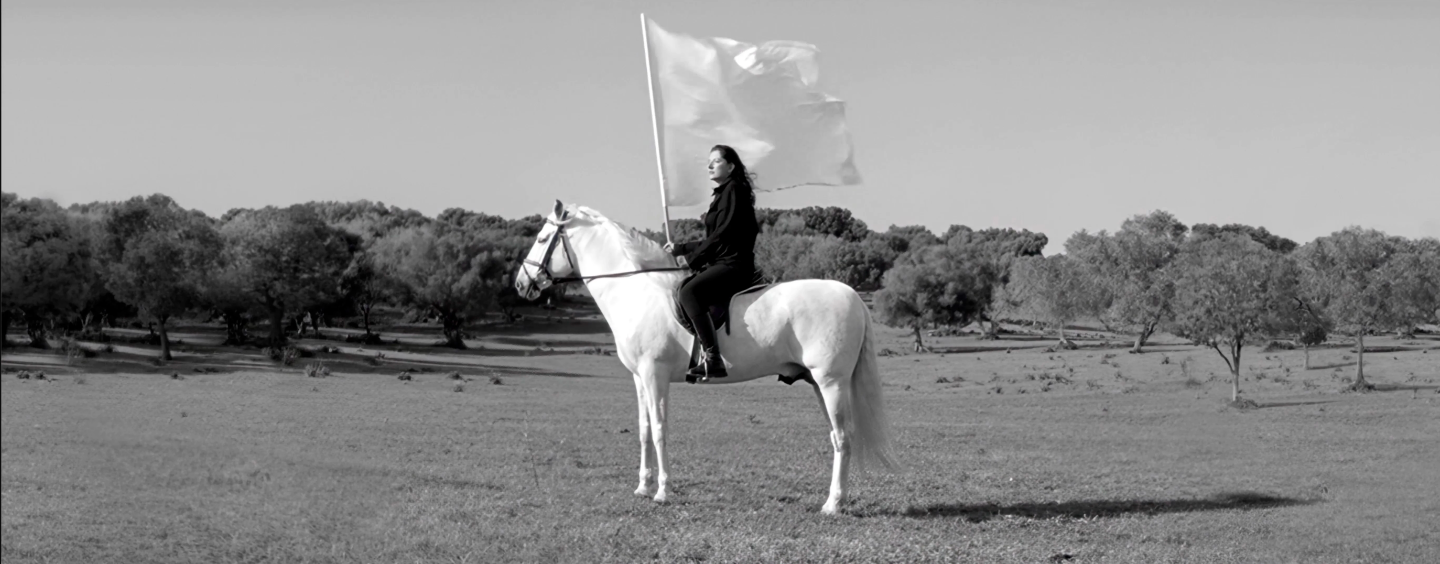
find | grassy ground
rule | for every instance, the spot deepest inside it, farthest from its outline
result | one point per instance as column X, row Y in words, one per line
column 1018, row 455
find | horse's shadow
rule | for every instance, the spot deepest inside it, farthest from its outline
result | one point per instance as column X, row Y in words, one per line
column 976, row 513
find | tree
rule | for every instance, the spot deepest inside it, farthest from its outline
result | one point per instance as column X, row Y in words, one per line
column 1130, row 271
column 48, row 266
column 444, row 269
column 985, row 257
column 369, row 220
column 781, row 257
column 285, row 259
column 1231, row 291
column 156, row 254
column 1051, row 289
column 365, row 286
column 225, row 292
column 905, row 238
column 685, row 230
column 1364, row 280
column 861, row 264
column 814, row 220
column 927, row 285
column 1258, row 234
column 1312, row 331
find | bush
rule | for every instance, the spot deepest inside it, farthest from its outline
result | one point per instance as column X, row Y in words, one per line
column 285, row 356
column 368, row 339
column 316, row 370
column 93, row 336
column 151, row 339
column 73, row 351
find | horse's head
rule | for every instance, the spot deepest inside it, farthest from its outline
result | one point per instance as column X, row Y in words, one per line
column 550, row 258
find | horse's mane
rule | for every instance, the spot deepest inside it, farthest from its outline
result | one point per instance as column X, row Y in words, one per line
column 637, row 247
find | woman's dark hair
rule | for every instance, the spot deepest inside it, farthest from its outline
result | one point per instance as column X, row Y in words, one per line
column 741, row 176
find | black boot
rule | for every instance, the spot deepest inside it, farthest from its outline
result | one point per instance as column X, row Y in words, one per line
column 711, row 367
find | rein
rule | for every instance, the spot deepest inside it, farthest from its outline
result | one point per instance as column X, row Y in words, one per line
column 543, row 267
column 615, row 275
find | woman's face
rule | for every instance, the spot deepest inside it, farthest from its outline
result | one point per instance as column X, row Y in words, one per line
column 719, row 168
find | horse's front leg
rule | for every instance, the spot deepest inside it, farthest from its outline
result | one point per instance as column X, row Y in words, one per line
column 657, row 397
column 647, row 450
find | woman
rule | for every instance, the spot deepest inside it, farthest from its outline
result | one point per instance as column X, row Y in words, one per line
column 724, row 260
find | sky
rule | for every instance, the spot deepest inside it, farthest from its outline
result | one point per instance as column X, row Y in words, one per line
column 1301, row 116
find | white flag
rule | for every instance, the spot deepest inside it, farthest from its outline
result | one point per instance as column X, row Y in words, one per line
column 762, row 100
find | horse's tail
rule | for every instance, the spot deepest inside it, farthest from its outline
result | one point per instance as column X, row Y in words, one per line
column 870, row 430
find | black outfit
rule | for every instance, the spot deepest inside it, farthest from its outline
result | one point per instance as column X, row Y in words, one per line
column 724, row 261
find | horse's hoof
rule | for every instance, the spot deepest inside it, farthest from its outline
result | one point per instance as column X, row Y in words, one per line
column 660, row 497
column 643, row 491
column 830, row 509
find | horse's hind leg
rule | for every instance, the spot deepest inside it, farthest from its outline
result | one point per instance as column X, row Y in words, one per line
column 647, row 450
column 835, row 396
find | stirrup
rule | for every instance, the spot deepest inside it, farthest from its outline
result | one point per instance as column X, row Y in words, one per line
column 711, row 367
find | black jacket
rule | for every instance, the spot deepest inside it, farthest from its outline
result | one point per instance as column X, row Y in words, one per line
column 730, row 230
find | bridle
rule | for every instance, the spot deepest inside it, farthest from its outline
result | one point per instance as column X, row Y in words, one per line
column 543, row 278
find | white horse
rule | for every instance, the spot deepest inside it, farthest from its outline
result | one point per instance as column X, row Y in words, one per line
column 816, row 330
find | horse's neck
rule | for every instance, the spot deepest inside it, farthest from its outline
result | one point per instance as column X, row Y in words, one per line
column 598, row 252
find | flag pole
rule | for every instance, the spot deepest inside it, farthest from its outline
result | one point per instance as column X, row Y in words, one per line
column 655, row 126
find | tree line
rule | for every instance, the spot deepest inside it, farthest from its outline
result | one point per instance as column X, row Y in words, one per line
column 1223, row 287
column 69, row 270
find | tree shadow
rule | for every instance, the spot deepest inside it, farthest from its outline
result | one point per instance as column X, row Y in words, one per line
column 1329, row 366
column 541, row 340
column 1400, row 387
column 976, row 513
column 1291, row 404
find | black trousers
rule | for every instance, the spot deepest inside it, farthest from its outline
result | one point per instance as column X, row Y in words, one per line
column 713, row 286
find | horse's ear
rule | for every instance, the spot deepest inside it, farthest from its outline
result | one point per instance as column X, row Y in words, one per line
column 559, row 211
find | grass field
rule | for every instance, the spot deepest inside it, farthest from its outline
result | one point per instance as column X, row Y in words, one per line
column 1012, row 454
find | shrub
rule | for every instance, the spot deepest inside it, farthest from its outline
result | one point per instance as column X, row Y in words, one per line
column 459, row 387
column 317, row 370
column 73, row 350
column 93, row 336
column 495, row 379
